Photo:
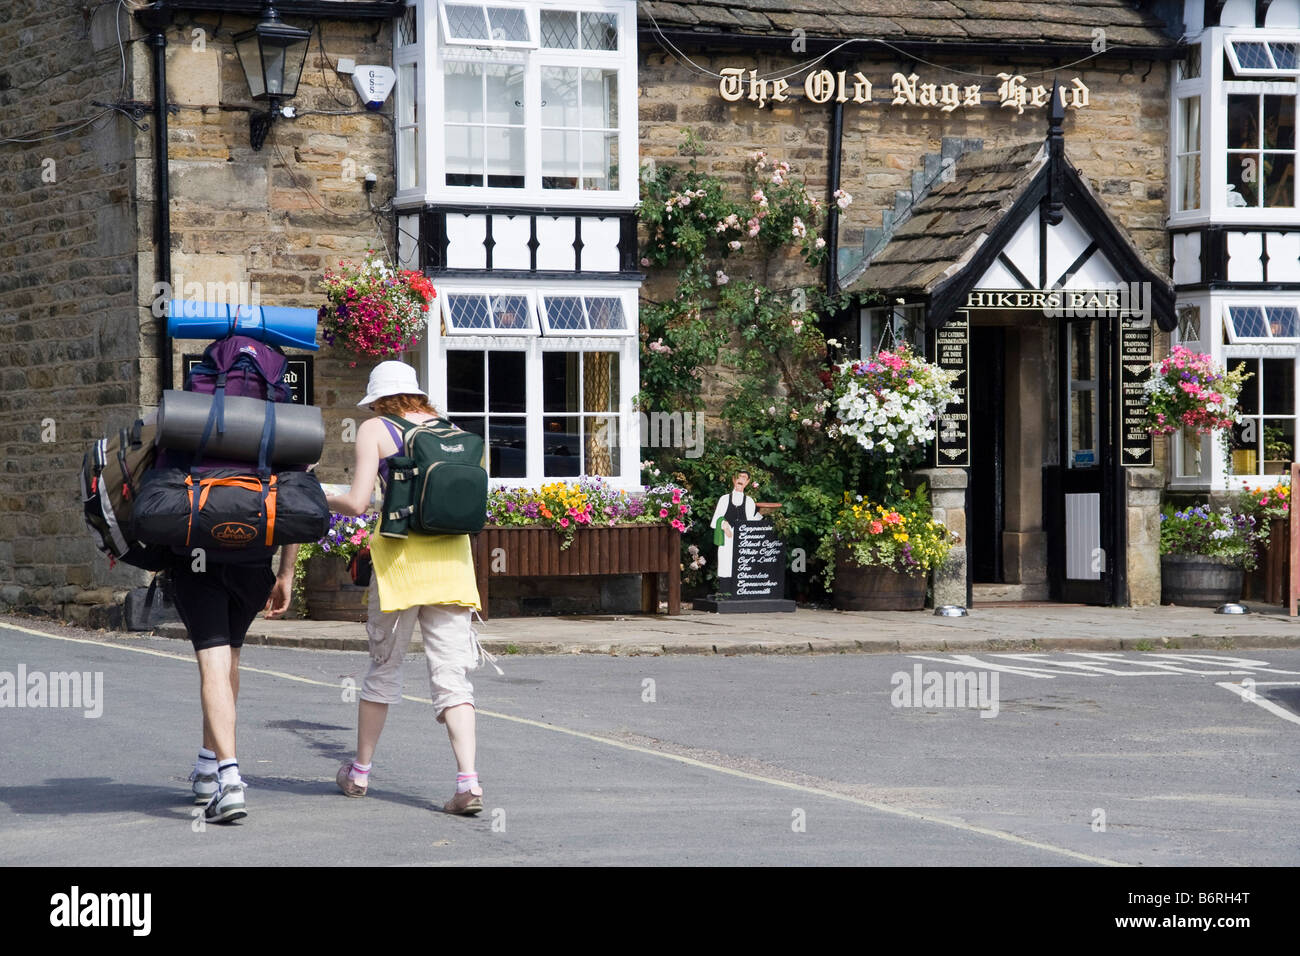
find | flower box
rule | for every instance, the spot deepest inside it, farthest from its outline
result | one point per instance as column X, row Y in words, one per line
column 526, row 552
column 876, row 588
column 1199, row 581
column 329, row 592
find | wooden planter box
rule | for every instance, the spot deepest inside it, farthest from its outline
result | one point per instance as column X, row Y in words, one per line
column 330, row 593
column 535, row 552
column 1268, row 582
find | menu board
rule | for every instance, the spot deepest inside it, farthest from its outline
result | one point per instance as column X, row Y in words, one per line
column 952, row 351
column 759, row 562
column 1137, row 447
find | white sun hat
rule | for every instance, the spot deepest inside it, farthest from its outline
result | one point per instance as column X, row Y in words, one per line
column 391, row 378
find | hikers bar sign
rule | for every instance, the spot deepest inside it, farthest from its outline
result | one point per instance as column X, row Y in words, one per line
column 952, row 352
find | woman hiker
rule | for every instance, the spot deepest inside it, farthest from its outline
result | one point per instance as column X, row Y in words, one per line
column 422, row 577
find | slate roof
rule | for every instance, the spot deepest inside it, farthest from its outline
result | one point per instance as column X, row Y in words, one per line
column 1031, row 22
column 952, row 221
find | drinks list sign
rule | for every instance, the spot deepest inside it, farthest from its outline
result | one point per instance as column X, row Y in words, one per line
column 1138, row 449
column 952, row 351
column 760, row 561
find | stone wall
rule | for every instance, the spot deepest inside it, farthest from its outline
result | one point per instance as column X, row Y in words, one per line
column 78, row 335
column 69, row 366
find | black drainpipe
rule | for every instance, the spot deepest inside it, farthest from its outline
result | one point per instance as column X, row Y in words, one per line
column 156, row 17
column 833, row 209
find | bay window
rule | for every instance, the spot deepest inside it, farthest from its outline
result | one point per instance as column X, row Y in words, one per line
column 527, row 103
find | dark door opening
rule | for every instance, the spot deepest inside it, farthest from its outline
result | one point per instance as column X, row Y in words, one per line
column 985, row 519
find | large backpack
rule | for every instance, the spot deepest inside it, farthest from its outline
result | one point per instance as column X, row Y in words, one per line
column 111, row 476
column 437, row 483
column 239, row 365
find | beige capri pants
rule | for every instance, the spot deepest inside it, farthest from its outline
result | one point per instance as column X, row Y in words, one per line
column 450, row 648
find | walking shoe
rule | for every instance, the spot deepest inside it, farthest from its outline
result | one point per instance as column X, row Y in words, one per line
column 349, row 786
column 467, row 803
column 205, row 786
column 226, row 806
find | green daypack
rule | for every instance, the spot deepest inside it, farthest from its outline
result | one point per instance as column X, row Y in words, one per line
column 437, row 483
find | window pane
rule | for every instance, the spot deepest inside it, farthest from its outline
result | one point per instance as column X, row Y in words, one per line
column 565, row 312
column 562, row 449
column 1189, row 182
column 511, row 312
column 1243, row 122
column 507, row 447
column 1252, row 56
column 600, row 31
column 606, row 313
column 466, row 22
column 509, row 24
column 600, row 381
column 1243, row 179
column 507, row 376
column 1190, row 67
column 463, row 93
column 406, row 95
column 559, row 160
column 1282, row 322
column 469, row 311
column 1248, row 400
column 600, row 99
column 1248, row 322
column 406, row 34
column 505, row 157
column 408, row 172
column 1189, row 324
column 465, row 383
column 560, row 382
column 1189, row 125
column 560, row 29
column 1285, row 55
column 1279, row 122
column 1279, row 386
column 602, row 448
column 559, row 96
column 1279, row 444
column 1191, row 458
column 505, row 94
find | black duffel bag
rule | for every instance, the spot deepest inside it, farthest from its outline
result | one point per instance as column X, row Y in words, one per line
column 229, row 511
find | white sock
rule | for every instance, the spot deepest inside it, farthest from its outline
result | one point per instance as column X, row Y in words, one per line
column 228, row 773
column 466, row 782
column 207, row 762
column 360, row 773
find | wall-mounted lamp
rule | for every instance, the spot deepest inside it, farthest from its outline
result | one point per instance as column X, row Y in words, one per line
column 272, row 55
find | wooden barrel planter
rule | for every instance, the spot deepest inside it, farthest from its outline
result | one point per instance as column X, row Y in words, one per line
column 876, row 589
column 330, row 593
column 648, row 550
column 1197, row 581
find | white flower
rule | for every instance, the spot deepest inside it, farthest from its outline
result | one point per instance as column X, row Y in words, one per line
column 722, row 277
column 798, row 229
column 734, row 245
column 820, row 243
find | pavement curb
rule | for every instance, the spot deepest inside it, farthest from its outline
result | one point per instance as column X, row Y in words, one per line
column 633, row 648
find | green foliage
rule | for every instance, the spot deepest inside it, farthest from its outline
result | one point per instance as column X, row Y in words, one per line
column 778, row 408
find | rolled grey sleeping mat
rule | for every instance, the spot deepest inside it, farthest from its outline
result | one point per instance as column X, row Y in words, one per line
column 299, row 429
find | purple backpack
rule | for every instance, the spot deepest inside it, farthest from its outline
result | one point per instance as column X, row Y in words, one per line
column 239, row 365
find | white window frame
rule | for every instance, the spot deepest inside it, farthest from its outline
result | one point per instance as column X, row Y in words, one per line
column 584, row 295
column 433, row 51
column 1208, row 445
column 1236, row 338
column 1193, row 87
column 1264, row 37
column 534, row 346
column 530, row 20
column 1214, row 89
column 445, row 293
column 404, row 55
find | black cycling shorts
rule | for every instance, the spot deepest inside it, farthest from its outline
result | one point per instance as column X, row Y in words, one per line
column 218, row 605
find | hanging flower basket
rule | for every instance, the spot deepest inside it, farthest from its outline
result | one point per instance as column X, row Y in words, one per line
column 374, row 311
column 1189, row 390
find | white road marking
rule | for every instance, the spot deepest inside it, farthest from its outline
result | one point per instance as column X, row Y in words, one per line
column 678, row 758
column 1097, row 663
column 1268, row 705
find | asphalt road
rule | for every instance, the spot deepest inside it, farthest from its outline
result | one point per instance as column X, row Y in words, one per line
column 1155, row 759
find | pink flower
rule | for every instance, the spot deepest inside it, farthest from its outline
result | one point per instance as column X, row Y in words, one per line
column 564, row 522
column 663, row 512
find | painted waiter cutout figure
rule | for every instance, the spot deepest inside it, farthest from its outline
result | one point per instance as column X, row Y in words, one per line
column 732, row 509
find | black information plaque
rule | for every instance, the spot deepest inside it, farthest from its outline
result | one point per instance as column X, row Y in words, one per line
column 757, row 583
column 952, row 352
column 1137, row 448
column 299, row 375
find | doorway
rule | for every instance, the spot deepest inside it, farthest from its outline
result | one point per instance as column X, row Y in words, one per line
column 986, row 514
